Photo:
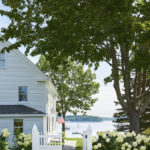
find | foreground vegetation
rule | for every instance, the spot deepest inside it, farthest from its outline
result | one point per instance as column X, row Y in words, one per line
column 115, row 141
column 21, row 141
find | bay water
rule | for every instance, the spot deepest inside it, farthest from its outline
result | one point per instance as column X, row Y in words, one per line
column 82, row 126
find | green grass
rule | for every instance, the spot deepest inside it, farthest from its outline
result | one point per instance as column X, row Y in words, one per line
column 78, row 142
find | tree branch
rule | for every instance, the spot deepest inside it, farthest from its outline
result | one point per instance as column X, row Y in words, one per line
column 126, row 71
column 146, row 102
column 115, row 73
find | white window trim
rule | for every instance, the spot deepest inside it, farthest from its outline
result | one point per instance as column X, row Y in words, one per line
column 19, row 126
column 4, row 61
column 23, row 102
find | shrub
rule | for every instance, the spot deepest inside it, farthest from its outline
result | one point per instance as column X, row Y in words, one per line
column 115, row 141
column 23, row 142
column 4, row 145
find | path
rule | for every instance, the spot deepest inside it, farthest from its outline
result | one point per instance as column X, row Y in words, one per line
column 69, row 145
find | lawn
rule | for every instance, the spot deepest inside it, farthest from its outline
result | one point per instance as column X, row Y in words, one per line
column 78, row 142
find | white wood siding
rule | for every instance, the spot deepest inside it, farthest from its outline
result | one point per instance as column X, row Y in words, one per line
column 51, row 105
column 28, row 123
column 19, row 73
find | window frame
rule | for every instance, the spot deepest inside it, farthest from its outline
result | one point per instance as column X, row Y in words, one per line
column 22, row 94
column 18, row 126
column 3, row 60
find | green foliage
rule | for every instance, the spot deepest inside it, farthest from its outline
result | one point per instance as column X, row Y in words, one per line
column 22, row 141
column 89, row 32
column 83, row 118
column 79, row 29
column 122, row 121
column 75, row 86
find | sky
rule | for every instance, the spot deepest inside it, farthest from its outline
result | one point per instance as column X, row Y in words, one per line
column 105, row 106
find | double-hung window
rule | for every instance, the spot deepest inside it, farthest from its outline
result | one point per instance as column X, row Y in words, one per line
column 2, row 60
column 18, row 126
column 23, row 93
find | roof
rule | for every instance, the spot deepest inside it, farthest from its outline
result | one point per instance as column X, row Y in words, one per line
column 18, row 110
column 34, row 67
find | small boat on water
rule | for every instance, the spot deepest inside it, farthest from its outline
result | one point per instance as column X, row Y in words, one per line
column 76, row 132
column 67, row 128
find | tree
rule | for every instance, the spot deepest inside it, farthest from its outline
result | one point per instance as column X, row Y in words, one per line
column 75, row 87
column 122, row 121
column 88, row 31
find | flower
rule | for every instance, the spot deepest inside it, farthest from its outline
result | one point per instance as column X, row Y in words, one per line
column 133, row 133
column 19, row 143
column 99, row 145
column 93, row 139
column 26, row 143
column 138, row 141
column 134, row 144
column 119, row 139
column 95, row 147
column 142, row 148
column 5, row 133
column 104, row 136
column 107, row 140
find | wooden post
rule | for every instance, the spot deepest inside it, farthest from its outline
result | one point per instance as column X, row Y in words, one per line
column 35, row 138
column 84, row 140
column 89, row 138
column 60, row 141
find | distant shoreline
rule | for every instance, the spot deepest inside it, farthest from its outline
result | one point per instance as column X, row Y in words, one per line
column 80, row 118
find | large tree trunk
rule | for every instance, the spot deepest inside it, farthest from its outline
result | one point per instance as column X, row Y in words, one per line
column 134, row 120
column 63, row 127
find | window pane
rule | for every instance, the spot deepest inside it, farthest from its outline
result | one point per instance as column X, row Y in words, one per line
column 2, row 56
column 18, row 126
column 2, row 63
column 23, row 93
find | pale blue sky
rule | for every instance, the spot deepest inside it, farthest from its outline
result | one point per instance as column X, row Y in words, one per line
column 105, row 105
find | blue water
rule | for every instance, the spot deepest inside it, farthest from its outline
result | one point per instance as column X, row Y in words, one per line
column 82, row 126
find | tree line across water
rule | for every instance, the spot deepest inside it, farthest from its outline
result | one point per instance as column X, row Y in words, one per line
column 81, row 118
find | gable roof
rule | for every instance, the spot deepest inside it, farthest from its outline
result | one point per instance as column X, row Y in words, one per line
column 19, row 110
column 34, row 68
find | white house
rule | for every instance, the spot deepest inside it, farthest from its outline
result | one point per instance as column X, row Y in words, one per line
column 27, row 95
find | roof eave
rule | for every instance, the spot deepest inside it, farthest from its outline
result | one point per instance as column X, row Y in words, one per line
column 23, row 115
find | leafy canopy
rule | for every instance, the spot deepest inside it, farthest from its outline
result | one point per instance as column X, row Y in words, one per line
column 58, row 29
column 75, row 86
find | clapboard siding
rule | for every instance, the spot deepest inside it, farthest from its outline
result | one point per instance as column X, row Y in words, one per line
column 28, row 123
column 19, row 73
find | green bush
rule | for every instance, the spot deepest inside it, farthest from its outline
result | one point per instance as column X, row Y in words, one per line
column 4, row 145
column 23, row 142
column 115, row 141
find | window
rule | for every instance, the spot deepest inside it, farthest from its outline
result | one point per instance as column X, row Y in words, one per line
column 2, row 60
column 18, row 126
column 22, row 93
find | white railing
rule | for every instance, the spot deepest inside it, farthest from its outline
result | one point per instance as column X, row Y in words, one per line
column 87, row 139
column 45, row 141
